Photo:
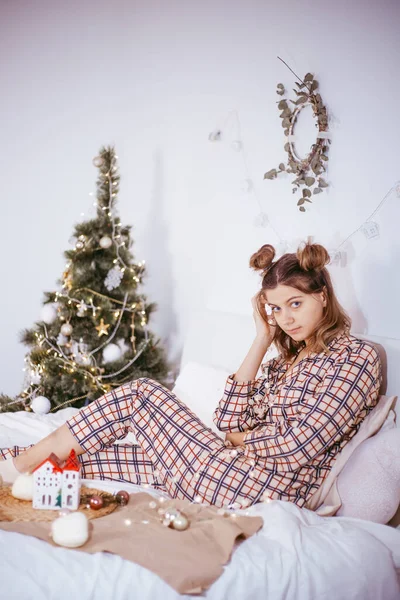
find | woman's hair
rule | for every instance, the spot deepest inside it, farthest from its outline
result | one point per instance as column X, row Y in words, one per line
column 304, row 270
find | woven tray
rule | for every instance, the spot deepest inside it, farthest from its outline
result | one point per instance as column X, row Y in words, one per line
column 12, row 509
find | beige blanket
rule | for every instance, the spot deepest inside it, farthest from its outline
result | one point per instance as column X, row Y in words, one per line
column 189, row 561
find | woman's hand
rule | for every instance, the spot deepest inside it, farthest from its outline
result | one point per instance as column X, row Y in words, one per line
column 263, row 328
column 236, row 437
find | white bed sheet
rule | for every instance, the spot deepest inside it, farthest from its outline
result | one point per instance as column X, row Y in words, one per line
column 296, row 556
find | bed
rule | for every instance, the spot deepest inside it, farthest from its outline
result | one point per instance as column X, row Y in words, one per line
column 297, row 555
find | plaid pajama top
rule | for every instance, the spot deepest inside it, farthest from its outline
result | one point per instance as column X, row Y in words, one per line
column 297, row 422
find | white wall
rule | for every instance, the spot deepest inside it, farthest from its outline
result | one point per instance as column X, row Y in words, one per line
column 155, row 78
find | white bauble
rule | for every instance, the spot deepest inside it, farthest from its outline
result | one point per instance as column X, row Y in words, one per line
column 71, row 530
column 123, row 346
column 23, row 487
column 49, row 313
column 180, row 522
column 41, row 405
column 105, row 242
column 111, row 353
column 98, row 161
column 66, row 329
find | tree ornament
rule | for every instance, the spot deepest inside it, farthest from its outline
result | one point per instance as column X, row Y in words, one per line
column 81, row 312
column 49, row 313
column 122, row 497
column 81, row 242
column 35, row 377
column 67, row 277
column 173, row 518
column 81, row 352
column 114, row 278
column 85, row 360
column 98, row 161
column 123, row 346
column 105, row 242
column 180, row 523
column 111, row 353
column 133, row 338
column 66, row 329
column 62, row 340
column 96, row 502
column 41, row 405
column 102, row 328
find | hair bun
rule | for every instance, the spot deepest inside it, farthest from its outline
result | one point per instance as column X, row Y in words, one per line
column 263, row 258
column 312, row 257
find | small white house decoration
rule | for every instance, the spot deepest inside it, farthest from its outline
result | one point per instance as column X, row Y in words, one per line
column 57, row 485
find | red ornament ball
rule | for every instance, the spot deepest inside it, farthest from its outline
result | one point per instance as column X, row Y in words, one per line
column 96, row 502
column 122, row 497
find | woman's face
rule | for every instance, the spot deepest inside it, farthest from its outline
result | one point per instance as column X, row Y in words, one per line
column 298, row 314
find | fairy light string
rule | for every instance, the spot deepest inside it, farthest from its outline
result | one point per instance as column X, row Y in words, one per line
column 265, row 221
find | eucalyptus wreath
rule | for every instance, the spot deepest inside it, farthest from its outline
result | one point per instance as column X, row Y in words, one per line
column 308, row 170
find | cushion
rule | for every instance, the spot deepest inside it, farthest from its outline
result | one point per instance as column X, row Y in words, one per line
column 326, row 501
column 201, row 387
column 369, row 485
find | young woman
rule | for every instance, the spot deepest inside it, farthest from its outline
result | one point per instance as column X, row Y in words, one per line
column 284, row 429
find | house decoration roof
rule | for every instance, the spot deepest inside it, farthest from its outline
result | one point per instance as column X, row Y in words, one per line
column 71, row 464
column 53, row 460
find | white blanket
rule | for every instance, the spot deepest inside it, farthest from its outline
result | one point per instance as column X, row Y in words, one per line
column 296, row 556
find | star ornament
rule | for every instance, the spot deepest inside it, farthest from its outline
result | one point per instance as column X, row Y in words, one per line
column 102, row 328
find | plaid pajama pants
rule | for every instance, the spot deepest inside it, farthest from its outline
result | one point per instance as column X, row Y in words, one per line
column 176, row 452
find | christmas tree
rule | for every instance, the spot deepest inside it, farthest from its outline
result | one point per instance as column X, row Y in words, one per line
column 93, row 335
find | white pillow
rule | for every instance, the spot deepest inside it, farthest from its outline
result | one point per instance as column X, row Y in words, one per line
column 201, row 387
